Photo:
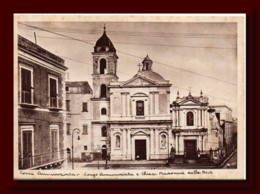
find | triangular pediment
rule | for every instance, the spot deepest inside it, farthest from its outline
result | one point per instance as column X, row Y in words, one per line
column 139, row 81
column 189, row 102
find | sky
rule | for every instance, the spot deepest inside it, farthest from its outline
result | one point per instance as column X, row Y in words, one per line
column 192, row 56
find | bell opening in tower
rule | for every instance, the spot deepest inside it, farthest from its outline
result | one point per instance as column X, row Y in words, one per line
column 103, row 66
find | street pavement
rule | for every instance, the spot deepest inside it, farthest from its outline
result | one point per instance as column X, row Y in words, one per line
column 161, row 164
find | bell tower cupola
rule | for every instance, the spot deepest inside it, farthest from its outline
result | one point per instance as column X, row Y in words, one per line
column 147, row 64
column 104, row 65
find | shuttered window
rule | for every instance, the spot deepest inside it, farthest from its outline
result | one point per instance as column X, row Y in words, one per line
column 85, row 130
column 53, row 93
column 26, row 86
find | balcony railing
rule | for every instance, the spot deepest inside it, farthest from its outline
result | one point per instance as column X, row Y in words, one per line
column 42, row 159
column 54, row 102
column 26, row 97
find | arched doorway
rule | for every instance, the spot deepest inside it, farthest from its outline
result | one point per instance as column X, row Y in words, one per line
column 104, row 152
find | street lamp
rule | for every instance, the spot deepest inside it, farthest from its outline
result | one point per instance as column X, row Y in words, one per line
column 78, row 131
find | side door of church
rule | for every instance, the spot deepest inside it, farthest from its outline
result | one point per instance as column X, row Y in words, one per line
column 190, row 148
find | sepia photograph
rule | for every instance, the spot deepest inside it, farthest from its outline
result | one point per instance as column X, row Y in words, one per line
column 129, row 96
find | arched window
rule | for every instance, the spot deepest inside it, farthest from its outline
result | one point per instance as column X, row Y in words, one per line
column 103, row 91
column 103, row 66
column 139, row 108
column 104, row 131
column 190, row 119
column 103, row 111
column 117, row 141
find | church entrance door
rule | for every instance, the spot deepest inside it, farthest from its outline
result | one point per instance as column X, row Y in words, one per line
column 190, row 148
column 140, row 149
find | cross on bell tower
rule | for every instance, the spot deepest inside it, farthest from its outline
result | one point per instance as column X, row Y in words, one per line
column 104, row 28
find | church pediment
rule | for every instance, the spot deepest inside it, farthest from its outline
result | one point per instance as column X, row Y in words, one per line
column 139, row 133
column 139, row 81
column 189, row 102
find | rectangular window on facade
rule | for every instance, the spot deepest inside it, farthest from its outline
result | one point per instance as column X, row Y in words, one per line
column 68, row 129
column 53, row 92
column 85, row 147
column 85, row 130
column 140, row 108
column 67, row 105
column 84, row 107
column 26, row 86
column 67, row 88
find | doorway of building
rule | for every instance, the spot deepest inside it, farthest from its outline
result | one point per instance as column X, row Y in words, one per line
column 140, row 149
column 27, row 149
column 104, row 152
column 190, row 148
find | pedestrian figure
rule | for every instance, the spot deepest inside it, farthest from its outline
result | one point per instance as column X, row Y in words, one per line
column 173, row 151
column 211, row 155
column 198, row 154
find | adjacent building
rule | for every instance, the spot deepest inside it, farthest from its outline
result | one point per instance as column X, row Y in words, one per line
column 201, row 131
column 79, row 116
column 41, row 106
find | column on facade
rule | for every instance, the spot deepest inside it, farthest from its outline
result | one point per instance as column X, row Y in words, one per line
column 156, row 136
column 184, row 119
column 177, row 143
column 122, row 105
column 156, row 103
column 173, row 117
column 128, row 141
column 127, row 104
column 200, row 143
column 177, row 116
column 112, row 139
column 146, row 109
column 181, row 144
column 171, row 138
column 124, row 141
column 133, row 109
column 150, row 103
column 152, row 141
column 204, row 118
column 198, row 118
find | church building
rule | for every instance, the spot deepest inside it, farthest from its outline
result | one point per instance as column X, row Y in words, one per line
column 134, row 119
column 131, row 119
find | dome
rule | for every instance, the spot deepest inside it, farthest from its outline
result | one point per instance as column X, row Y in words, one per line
column 151, row 75
column 147, row 59
column 104, row 44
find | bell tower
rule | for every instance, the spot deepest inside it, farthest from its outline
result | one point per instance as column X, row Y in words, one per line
column 104, row 66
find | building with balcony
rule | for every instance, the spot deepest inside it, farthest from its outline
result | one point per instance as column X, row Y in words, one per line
column 41, row 106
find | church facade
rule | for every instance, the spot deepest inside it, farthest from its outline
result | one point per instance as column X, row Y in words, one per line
column 131, row 119
column 135, row 120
